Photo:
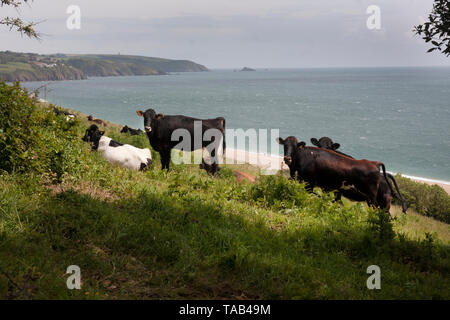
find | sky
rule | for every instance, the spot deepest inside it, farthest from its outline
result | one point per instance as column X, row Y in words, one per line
column 234, row 33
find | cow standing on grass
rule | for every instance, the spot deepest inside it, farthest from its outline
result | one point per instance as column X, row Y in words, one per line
column 162, row 133
column 332, row 171
column 124, row 155
column 385, row 190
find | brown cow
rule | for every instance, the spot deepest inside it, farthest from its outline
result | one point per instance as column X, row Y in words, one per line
column 385, row 190
column 332, row 171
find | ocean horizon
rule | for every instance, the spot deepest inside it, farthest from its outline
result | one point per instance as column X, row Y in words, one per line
column 399, row 116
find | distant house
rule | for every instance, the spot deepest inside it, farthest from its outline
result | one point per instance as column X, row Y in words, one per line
column 44, row 65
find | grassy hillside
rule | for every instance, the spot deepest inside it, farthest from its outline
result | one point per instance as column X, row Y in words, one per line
column 183, row 234
column 33, row 67
column 26, row 67
column 160, row 64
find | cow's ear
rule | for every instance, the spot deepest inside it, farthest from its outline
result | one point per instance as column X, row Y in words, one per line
column 159, row 116
column 335, row 146
column 314, row 141
column 280, row 140
column 300, row 145
column 140, row 113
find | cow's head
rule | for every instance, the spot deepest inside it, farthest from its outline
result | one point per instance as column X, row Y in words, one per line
column 150, row 117
column 291, row 145
column 124, row 129
column 146, row 165
column 210, row 168
column 90, row 118
column 93, row 136
column 325, row 143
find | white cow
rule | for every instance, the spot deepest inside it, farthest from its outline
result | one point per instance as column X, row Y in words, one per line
column 124, row 155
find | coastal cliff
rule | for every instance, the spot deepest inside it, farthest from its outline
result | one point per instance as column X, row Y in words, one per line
column 16, row 66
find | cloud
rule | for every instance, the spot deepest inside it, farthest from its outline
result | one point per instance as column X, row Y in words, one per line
column 233, row 33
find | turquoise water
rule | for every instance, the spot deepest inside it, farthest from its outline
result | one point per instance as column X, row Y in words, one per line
column 400, row 116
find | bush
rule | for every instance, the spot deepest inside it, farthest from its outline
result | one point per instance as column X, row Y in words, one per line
column 33, row 139
column 431, row 201
column 17, row 132
column 279, row 192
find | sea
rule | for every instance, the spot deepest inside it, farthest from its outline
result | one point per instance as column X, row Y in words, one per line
column 400, row 116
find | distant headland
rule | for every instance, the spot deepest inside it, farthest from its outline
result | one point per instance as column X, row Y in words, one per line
column 17, row 66
column 247, row 69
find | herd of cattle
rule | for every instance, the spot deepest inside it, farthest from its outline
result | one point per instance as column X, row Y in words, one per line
column 321, row 165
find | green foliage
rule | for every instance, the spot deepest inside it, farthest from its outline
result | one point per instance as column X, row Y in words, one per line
column 184, row 234
column 32, row 138
column 431, row 201
column 381, row 224
column 18, row 24
column 17, row 131
column 277, row 191
column 437, row 29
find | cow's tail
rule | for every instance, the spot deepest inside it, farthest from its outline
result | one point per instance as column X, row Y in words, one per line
column 400, row 197
column 224, row 145
column 384, row 174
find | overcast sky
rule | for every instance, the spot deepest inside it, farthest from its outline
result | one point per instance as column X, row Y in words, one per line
column 234, row 33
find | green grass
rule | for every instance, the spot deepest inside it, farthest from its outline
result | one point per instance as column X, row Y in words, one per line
column 431, row 201
column 15, row 66
column 184, row 234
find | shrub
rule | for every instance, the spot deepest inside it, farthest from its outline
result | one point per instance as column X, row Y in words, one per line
column 17, row 131
column 280, row 193
column 380, row 223
column 33, row 139
column 431, row 201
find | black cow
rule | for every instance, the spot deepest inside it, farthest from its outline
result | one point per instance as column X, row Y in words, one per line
column 133, row 132
column 385, row 190
column 332, row 171
column 327, row 143
column 159, row 130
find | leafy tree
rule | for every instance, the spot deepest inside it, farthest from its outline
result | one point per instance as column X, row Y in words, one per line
column 18, row 24
column 437, row 28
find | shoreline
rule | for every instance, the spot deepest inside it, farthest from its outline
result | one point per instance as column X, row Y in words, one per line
column 271, row 164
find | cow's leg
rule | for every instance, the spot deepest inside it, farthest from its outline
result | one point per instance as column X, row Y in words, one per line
column 292, row 172
column 168, row 158
column 165, row 159
column 338, row 198
column 212, row 160
column 372, row 196
column 309, row 186
column 384, row 200
column 215, row 165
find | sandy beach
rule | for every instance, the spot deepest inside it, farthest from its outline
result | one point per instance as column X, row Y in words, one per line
column 444, row 185
column 270, row 164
